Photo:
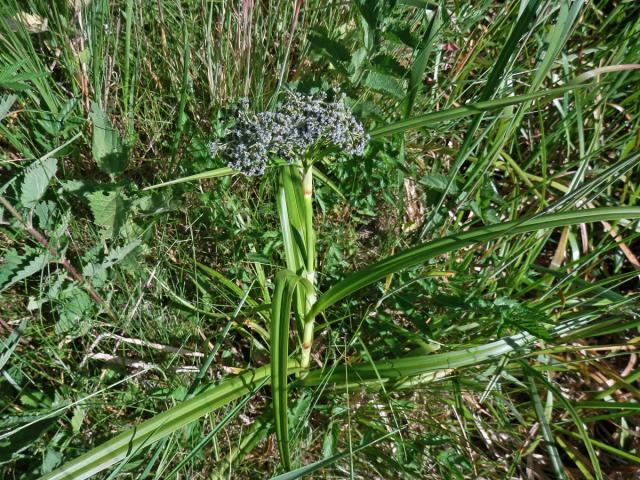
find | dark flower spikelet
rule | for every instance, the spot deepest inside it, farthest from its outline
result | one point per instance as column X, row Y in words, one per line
column 299, row 124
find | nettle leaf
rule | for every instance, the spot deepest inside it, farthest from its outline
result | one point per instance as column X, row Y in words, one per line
column 8, row 265
column 386, row 64
column 336, row 52
column 36, row 180
column 402, row 35
column 25, row 269
column 115, row 256
column 46, row 214
column 357, row 62
column 75, row 307
column 384, row 83
column 109, row 209
column 108, row 149
column 52, row 458
column 438, row 183
column 522, row 317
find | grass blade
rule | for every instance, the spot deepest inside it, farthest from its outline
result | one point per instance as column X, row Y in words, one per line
column 583, row 435
column 468, row 110
column 547, row 434
column 218, row 172
column 315, row 466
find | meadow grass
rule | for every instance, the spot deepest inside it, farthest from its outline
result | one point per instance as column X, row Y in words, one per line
column 458, row 302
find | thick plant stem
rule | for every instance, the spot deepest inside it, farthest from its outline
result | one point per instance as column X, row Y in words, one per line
column 310, row 296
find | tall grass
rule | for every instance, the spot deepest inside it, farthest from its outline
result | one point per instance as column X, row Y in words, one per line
column 460, row 302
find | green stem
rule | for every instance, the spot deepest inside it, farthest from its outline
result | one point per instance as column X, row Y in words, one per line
column 310, row 296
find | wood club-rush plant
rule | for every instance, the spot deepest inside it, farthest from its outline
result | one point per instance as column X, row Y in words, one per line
column 300, row 130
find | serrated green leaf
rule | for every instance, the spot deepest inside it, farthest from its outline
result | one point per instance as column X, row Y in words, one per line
column 115, row 256
column 438, row 183
column 5, row 104
column 33, row 266
column 9, row 264
column 384, row 83
column 335, row 50
column 74, row 306
column 45, row 213
column 109, row 209
column 529, row 320
column 108, row 149
column 7, row 346
column 36, row 180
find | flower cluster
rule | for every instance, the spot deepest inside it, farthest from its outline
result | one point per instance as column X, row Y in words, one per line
column 300, row 123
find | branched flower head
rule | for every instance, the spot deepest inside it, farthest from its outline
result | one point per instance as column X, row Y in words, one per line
column 300, row 123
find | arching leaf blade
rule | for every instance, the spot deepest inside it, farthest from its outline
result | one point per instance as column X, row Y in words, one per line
column 426, row 251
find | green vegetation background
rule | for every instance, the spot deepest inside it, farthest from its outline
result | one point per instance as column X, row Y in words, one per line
column 172, row 286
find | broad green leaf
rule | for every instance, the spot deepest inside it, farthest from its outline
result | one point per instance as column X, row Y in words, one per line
column 52, row 458
column 291, row 213
column 45, row 212
column 77, row 418
column 74, row 306
column 36, row 180
column 109, row 209
column 108, row 149
column 384, row 83
column 424, row 367
column 115, row 256
column 336, row 52
column 421, row 253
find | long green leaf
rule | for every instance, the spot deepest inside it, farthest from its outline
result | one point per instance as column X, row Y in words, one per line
column 547, row 434
column 468, row 110
column 428, row 365
column 286, row 282
column 218, row 172
column 429, row 250
column 161, row 425
column 420, row 62
column 165, row 423
column 568, row 407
